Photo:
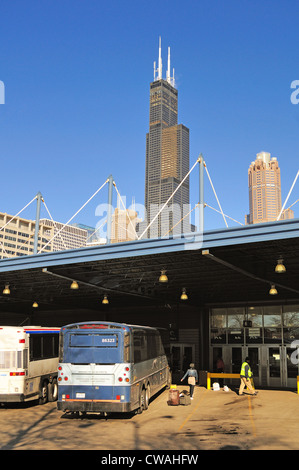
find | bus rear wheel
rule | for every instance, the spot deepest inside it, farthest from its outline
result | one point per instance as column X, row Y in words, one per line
column 43, row 393
column 142, row 401
column 147, row 397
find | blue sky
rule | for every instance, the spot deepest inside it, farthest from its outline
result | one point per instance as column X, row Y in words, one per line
column 76, row 110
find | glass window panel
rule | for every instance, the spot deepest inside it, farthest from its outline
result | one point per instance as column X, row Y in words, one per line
column 218, row 321
column 254, row 335
column 272, row 316
column 274, row 362
column 236, row 336
column 218, row 318
column 292, row 366
column 235, row 317
column 255, row 315
column 291, row 315
column 272, row 335
column 290, row 334
column 218, row 335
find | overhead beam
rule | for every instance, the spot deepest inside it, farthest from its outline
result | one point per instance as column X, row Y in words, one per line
column 209, row 255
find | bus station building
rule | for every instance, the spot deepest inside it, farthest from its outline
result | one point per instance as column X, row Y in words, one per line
column 236, row 303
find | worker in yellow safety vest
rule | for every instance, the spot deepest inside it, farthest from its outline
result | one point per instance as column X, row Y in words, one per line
column 245, row 376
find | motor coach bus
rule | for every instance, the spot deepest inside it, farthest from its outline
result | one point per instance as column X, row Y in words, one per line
column 110, row 367
column 28, row 363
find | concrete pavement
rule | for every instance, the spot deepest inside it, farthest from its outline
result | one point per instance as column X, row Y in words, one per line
column 214, row 421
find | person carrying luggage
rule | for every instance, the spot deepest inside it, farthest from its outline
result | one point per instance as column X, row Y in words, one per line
column 192, row 378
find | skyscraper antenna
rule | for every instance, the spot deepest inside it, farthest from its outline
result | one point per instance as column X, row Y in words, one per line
column 160, row 61
column 158, row 70
column 168, row 68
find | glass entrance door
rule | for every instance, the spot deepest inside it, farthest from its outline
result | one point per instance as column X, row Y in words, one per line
column 233, row 358
column 274, row 366
column 291, row 367
column 237, row 359
column 181, row 354
column 254, row 354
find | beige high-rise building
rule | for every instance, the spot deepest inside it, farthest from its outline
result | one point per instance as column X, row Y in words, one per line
column 123, row 226
column 265, row 190
column 17, row 236
column 67, row 237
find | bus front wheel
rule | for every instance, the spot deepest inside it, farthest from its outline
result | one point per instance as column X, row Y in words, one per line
column 52, row 390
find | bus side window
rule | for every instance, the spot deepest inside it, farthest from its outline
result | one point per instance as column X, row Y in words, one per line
column 127, row 348
column 35, row 347
column 139, row 345
column 153, row 349
column 43, row 346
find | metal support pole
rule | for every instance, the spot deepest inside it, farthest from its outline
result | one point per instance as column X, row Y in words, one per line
column 37, row 219
column 201, row 193
column 109, row 211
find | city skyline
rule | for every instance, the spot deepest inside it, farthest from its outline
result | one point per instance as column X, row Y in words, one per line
column 69, row 120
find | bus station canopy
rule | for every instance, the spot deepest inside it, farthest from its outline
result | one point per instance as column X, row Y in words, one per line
column 231, row 265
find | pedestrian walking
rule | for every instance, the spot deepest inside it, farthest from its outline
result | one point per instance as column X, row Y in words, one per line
column 192, row 378
column 245, row 376
column 220, row 368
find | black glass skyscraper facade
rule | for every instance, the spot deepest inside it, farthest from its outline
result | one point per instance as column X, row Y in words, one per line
column 167, row 159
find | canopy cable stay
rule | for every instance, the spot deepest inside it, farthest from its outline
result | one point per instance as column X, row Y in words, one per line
column 25, row 207
column 205, row 205
column 55, row 226
column 293, row 204
column 3, row 250
column 82, row 207
column 10, row 220
column 130, row 220
column 180, row 220
column 210, row 207
column 282, row 209
column 93, row 233
column 164, row 205
column 216, row 196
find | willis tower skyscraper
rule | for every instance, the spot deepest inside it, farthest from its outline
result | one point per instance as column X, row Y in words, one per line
column 167, row 158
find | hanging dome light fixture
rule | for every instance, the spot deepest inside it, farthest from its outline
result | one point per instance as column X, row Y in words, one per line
column 163, row 277
column 6, row 290
column 74, row 285
column 280, row 267
column 273, row 290
column 105, row 300
column 184, row 295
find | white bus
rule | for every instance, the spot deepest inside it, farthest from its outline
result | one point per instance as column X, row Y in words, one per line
column 28, row 363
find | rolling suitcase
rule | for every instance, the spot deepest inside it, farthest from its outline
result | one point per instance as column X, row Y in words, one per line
column 185, row 400
column 173, row 397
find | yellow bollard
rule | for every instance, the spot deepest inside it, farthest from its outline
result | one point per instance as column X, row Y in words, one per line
column 209, row 383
